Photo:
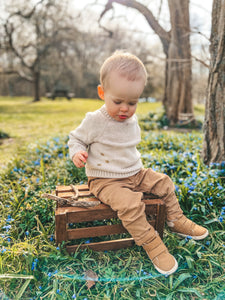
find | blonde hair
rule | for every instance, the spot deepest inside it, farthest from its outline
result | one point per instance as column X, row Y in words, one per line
column 126, row 64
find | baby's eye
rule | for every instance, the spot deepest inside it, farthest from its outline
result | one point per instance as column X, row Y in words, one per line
column 132, row 103
column 117, row 102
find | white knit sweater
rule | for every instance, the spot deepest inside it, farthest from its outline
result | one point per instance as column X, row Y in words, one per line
column 111, row 145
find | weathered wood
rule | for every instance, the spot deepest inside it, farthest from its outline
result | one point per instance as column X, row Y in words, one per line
column 61, row 228
column 79, row 233
column 154, row 208
column 79, row 214
column 160, row 220
column 103, row 246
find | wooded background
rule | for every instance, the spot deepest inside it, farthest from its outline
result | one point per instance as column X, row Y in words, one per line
column 52, row 43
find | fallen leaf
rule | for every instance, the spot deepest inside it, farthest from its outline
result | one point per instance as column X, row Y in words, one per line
column 91, row 278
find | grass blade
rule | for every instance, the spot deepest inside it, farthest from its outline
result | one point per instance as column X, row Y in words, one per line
column 22, row 290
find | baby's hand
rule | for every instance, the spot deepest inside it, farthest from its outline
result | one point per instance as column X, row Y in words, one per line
column 80, row 158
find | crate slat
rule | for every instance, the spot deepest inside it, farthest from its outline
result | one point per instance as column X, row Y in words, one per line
column 104, row 246
column 94, row 231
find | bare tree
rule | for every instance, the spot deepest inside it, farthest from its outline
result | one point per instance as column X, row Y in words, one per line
column 30, row 33
column 214, row 127
column 176, row 46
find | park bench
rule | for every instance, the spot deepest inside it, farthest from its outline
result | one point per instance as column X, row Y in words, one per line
column 66, row 214
column 60, row 92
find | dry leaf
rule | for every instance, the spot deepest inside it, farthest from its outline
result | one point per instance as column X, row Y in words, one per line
column 91, row 278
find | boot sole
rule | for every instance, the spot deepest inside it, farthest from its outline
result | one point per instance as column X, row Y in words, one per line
column 196, row 238
column 167, row 272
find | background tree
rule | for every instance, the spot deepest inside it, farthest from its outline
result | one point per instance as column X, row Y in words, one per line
column 214, row 127
column 31, row 31
column 176, row 46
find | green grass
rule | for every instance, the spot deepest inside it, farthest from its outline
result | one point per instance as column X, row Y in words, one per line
column 33, row 267
column 26, row 122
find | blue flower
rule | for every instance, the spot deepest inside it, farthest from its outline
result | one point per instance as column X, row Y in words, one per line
column 6, row 227
column 221, row 219
column 74, row 296
column 9, row 219
column 37, row 162
column 56, row 139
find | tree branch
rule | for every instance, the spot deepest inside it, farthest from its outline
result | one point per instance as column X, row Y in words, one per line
column 27, row 15
column 153, row 23
column 9, row 29
column 201, row 61
column 10, row 72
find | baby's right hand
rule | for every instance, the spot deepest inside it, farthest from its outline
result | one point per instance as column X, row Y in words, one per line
column 80, row 158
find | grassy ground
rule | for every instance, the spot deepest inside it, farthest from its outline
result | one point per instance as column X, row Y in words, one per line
column 29, row 123
column 33, row 267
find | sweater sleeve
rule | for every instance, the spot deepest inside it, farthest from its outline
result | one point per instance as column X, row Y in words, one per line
column 83, row 135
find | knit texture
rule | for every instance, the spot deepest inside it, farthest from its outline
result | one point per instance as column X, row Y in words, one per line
column 111, row 145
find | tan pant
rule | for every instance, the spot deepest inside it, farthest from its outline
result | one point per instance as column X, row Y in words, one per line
column 124, row 195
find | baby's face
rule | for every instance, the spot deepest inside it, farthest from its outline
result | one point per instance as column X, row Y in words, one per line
column 121, row 96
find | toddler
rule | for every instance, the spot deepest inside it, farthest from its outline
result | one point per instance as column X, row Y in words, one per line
column 105, row 143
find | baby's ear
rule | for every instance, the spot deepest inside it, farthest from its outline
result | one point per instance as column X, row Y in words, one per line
column 100, row 92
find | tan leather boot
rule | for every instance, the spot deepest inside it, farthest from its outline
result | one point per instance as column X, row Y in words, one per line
column 162, row 260
column 185, row 227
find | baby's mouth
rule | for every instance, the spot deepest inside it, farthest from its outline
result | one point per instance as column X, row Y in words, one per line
column 123, row 117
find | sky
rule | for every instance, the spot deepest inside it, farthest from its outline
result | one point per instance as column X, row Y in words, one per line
column 200, row 13
column 200, row 19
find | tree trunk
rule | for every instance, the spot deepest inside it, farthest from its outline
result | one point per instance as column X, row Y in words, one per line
column 36, row 86
column 177, row 97
column 214, row 126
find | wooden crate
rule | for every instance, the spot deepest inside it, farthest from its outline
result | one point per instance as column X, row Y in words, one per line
column 64, row 215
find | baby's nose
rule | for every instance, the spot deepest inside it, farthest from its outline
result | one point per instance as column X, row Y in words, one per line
column 124, row 107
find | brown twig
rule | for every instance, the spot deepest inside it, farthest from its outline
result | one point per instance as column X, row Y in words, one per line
column 71, row 201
